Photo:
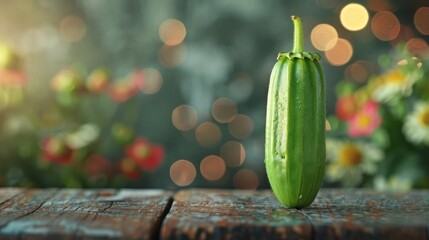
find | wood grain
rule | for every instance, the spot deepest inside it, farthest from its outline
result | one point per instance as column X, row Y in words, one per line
column 79, row 214
column 223, row 214
column 336, row 214
column 368, row 214
column 209, row 214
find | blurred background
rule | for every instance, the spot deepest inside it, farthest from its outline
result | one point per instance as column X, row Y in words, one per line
column 172, row 94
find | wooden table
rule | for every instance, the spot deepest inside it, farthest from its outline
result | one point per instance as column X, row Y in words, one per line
column 209, row 214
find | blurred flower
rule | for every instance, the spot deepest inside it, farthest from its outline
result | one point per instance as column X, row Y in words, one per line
column 364, row 122
column 67, row 80
column 9, row 60
column 98, row 80
column 393, row 84
column 349, row 161
column 137, row 78
column 416, row 126
column 147, row 156
column 394, row 183
column 12, row 78
column 97, row 166
column 122, row 133
column 122, row 90
column 130, row 169
column 55, row 150
column 10, row 95
column 15, row 124
column 10, row 72
column 346, row 107
column 84, row 136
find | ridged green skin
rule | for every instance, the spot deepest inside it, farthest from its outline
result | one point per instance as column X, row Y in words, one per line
column 295, row 128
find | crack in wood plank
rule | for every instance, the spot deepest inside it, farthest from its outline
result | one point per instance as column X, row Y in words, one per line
column 128, row 214
column 23, row 203
column 7, row 193
column 225, row 214
column 156, row 231
column 309, row 221
column 211, row 214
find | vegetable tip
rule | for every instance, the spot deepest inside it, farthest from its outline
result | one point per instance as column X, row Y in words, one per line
column 293, row 17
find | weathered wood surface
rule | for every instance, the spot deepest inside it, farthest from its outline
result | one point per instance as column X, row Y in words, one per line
column 365, row 214
column 222, row 214
column 336, row 214
column 82, row 214
column 209, row 214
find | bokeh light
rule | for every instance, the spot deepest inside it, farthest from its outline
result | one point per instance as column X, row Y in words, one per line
column 152, row 81
column 359, row 71
column 233, row 153
column 324, row 37
column 241, row 126
column 171, row 56
column 385, row 26
column 341, row 53
column 224, row 110
column 72, row 29
column 417, row 46
column 172, row 32
column 182, row 172
column 354, row 17
column 421, row 20
column 245, row 179
column 184, row 117
column 208, row 134
column 212, row 168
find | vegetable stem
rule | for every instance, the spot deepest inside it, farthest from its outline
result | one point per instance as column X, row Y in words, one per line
column 298, row 36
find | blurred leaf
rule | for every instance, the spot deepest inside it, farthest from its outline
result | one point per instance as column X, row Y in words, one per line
column 399, row 109
column 381, row 138
column 334, row 122
column 384, row 60
column 67, row 99
column 344, row 88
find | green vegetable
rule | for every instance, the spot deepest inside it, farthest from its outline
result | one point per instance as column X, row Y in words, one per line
column 295, row 129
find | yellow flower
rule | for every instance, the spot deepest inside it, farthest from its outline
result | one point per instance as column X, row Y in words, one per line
column 348, row 161
column 416, row 126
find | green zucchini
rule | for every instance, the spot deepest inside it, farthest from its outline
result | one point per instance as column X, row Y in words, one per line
column 295, row 125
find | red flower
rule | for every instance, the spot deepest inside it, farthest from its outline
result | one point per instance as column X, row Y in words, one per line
column 55, row 150
column 365, row 121
column 346, row 107
column 147, row 156
column 130, row 169
column 121, row 91
column 97, row 166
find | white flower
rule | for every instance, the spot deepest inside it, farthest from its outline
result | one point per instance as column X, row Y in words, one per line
column 394, row 184
column 348, row 161
column 84, row 136
column 395, row 83
column 416, row 126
